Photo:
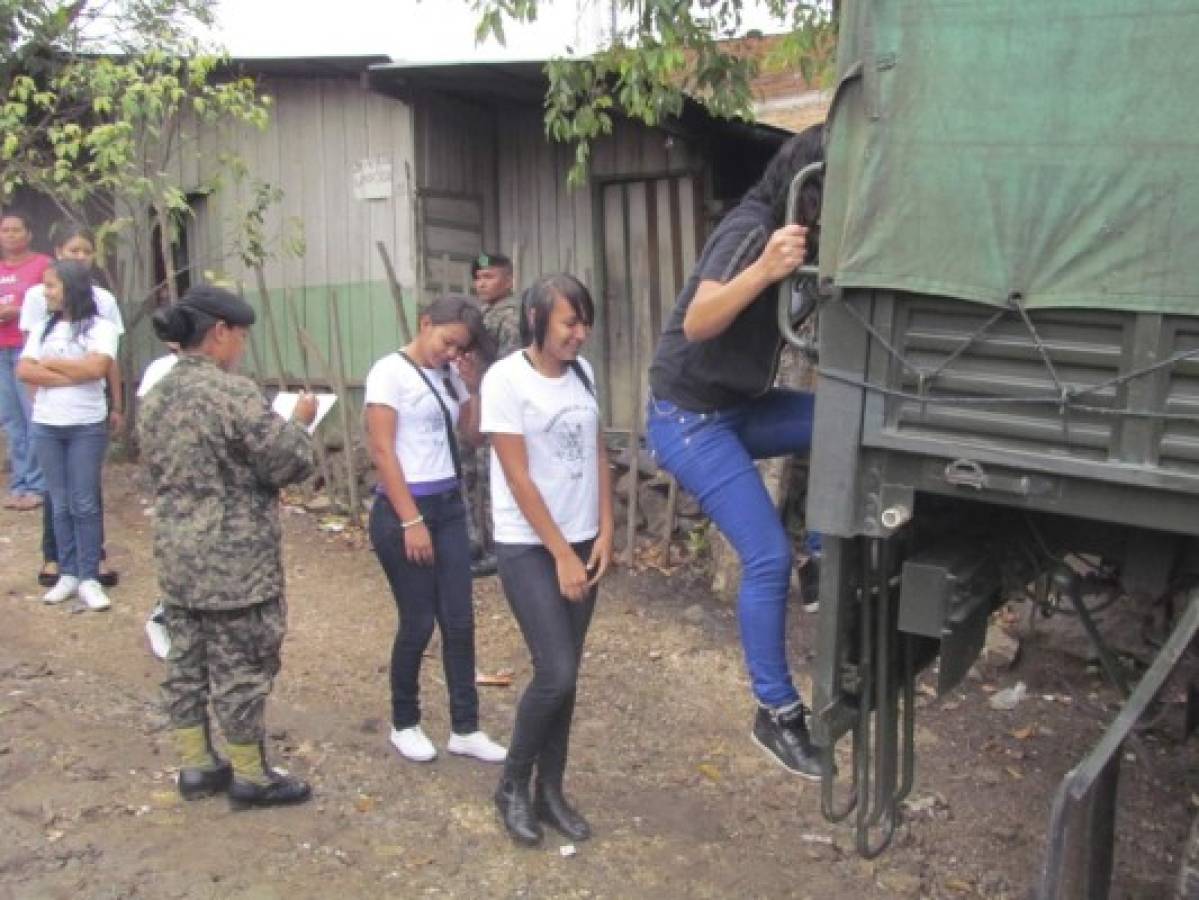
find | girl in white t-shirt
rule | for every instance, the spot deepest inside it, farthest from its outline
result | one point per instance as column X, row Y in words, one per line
column 414, row 399
column 67, row 361
column 552, row 508
column 74, row 241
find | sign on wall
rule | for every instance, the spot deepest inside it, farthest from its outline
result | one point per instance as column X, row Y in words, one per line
column 372, row 179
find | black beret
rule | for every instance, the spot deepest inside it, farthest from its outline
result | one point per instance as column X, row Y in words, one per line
column 219, row 304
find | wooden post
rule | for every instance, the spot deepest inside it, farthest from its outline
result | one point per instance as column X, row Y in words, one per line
column 634, row 434
column 397, row 294
column 269, row 320
column 672, row 505
column 343, row 397
column 259, row 371
column 318, row 446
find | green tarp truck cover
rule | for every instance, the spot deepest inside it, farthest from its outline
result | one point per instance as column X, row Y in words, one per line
column 1046, row 150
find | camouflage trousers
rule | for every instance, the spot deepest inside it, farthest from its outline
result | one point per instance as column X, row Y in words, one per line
column 230, row 657
column 476, row 490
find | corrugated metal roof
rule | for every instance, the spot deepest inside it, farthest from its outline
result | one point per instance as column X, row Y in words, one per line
column 525, row 82
column 522, row 81
column 309, row 66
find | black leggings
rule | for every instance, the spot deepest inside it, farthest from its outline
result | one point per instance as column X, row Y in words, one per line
column 554, row 629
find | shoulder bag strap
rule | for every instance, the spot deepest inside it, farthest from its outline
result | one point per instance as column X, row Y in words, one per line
column 445, row 413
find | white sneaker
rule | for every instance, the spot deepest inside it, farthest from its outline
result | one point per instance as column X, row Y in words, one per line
column 93, row 595
column 413, row 745
column 156, row 633
column 64, row 589
column 478, row 745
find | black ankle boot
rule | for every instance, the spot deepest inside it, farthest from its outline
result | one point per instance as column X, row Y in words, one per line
column 551, row 807
column 516, row 810
column 196, row 783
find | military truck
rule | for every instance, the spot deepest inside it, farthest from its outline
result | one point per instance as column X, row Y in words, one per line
column 1008, row 336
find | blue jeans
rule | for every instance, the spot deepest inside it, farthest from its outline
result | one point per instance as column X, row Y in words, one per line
column 15, row 403
column 72, row 457
column 712, row 457
column 439, row 594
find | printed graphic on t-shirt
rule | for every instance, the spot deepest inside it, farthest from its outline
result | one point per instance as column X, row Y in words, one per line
column 66, row 341
column 566, row 429
column 432, row 423
column 8, row 285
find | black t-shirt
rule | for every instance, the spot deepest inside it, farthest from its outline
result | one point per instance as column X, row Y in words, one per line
column 740, row 362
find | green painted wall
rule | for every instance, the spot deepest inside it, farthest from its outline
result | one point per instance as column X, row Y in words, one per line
column 368, row 323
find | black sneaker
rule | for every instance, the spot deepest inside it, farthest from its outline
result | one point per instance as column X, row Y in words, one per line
column 809, row 584
column 784, row 735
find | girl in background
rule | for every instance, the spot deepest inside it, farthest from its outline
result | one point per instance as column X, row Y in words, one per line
column 20, row 269
column 68, row 361
column 552, row 511
column 73, row 241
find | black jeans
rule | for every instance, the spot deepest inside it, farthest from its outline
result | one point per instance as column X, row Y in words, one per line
column 554, row 629
column 438, row 593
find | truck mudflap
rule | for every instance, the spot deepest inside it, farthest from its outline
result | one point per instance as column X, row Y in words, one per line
column 1079, row 845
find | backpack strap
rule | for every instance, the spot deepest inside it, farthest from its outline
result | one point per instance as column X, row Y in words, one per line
column 575, row 366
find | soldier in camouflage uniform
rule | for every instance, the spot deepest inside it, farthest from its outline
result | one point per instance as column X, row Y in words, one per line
column 217, row 457
column 492, row 274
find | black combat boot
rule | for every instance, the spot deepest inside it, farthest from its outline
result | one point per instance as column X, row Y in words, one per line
column 256, row 784
column 212, row 776
column 783, row 734
column 195, row 784
column 809, row 584
column 552, row 808
column 516, row 810
column 277, row 790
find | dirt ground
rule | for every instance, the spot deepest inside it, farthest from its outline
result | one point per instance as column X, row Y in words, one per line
column 682, row 803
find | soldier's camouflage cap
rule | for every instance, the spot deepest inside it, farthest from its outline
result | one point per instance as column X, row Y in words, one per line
column 489, row 261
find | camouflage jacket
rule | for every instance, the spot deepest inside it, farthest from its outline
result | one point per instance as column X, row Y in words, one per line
column 502, row 321
column 217, row 457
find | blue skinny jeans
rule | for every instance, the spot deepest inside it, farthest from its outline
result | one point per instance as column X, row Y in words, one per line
column 712, row 456
column 15, row 411
column 71, row 458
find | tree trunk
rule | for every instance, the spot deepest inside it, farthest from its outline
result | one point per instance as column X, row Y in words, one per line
column 168, row 256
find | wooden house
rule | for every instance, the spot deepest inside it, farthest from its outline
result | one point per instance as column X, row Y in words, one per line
column 438, row 163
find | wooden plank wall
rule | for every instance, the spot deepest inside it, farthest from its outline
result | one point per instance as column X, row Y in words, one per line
column 622, row 219
column 456, row 181
column 321, row 129
column 652, row 232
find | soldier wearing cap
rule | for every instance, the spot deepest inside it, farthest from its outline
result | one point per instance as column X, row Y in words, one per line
column 217, row 457
column 492, row 274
